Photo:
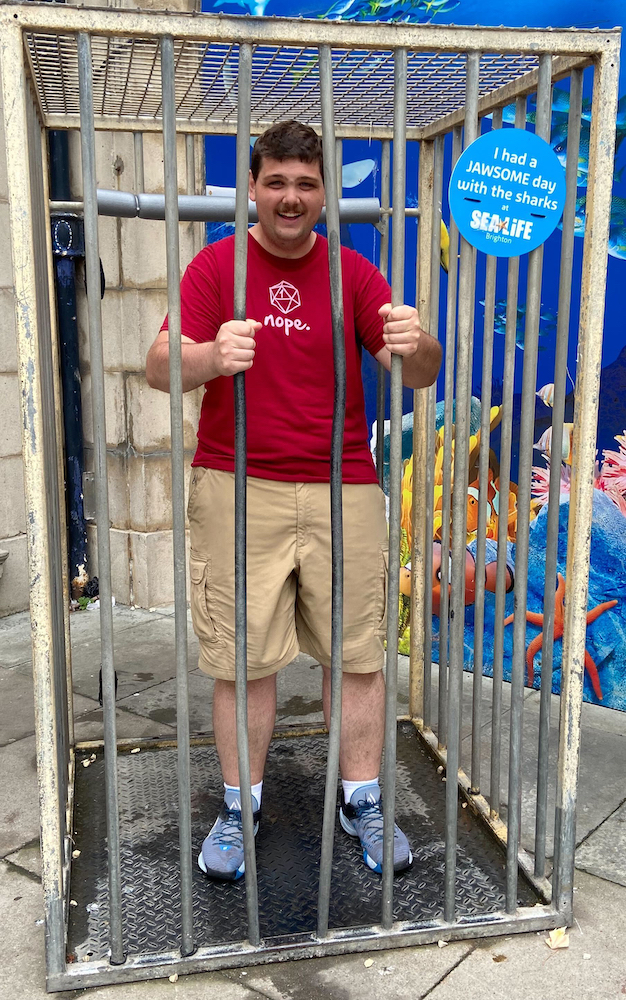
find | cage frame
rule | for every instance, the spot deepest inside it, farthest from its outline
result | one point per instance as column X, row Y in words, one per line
column 37, row 360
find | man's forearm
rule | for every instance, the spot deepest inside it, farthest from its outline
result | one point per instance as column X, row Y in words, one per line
column 197, row 363
column 421, row 369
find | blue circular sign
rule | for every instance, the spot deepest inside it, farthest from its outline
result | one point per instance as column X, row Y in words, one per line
column 507, row 192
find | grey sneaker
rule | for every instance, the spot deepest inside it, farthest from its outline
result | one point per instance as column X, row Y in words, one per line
column 222, row 851
column 362, row 817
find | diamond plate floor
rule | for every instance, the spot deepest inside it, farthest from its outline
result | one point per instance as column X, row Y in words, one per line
column 288, row 850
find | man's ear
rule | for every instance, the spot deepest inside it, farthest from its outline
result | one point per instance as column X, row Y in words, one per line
column 251, row 187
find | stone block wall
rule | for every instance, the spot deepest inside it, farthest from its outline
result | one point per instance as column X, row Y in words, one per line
column 137, row 417
column 13, row 565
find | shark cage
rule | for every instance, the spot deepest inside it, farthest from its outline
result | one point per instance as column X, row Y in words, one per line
column 477, row 869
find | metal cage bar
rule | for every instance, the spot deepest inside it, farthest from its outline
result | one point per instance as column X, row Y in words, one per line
column 244, row 87
column 170, row 167
column 385, row 180
column 92, row 269
column 332, row 172
column 395, row 466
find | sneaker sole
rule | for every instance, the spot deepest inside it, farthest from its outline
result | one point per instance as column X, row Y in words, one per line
column 224, row 876
column 399, row 866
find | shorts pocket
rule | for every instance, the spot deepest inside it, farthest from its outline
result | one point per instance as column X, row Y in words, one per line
column 195, row 481
column 380, row 625
column 203, row 621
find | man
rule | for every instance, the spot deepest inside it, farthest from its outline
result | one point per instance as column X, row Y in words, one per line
column 286, row 348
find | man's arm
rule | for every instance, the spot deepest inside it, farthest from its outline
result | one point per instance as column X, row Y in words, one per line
column 421, row 353
column 232, row 351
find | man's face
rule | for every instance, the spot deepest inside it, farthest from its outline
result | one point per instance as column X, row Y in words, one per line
column 289, row 196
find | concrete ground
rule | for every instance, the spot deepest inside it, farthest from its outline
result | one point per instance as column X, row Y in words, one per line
column 519, row 966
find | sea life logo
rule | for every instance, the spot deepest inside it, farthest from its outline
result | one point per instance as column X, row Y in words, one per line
column 285, row 297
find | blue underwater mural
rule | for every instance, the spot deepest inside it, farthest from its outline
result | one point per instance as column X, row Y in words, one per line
column 605, row 675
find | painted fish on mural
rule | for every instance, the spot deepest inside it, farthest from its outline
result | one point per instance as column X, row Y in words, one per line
column 353, row 174
column 544, row 444
column 389, row 10
column 547, row 322
column 617, row 225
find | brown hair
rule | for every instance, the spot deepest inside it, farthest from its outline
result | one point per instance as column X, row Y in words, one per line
column 285, row 141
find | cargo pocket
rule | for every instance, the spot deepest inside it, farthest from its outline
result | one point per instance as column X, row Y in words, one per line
column 203, row 622
column 380, row 627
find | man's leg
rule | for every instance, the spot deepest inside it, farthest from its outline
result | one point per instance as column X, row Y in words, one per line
column 362, row 723
column 261, row 718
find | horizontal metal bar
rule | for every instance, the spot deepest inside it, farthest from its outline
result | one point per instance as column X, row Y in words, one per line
column 527, row 84
column 141, row 968
column 203, row 208
column 291, row 31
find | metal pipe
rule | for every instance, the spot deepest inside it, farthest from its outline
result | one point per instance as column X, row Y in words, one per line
column 459, row 509
column 385, row 180
column 331, row 178
column 170, row 167
column 433, row 330
column 204, row 208
column 241, row 616
column 419, row 624
column 92, row 270
column 446, row 494
column 395, row 469
column 558, row 411
column 139, row 164
column 527, row 428
column 598, row 209
column 481, row 532
column 506, row 438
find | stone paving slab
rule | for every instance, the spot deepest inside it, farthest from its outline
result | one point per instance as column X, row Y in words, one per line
column 18, row 710
column 129, row 726
column 604, row 851
column 522, row 966
column 146, row 655
column 19, row 800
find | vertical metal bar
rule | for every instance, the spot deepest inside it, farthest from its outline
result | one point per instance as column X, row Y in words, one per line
column 190, row 164
column 459, row 509
column 92, row 269
column 331, row 178
column 244, row 89
column 385, row 179
column 506, row 438
column 552, row 528
column 339, row 165
column 395, row 470
column 433, row 330
column 419, row 623
column 170, row 167
column 446, row 495
column 527, row 427
column 139, row 171
column 598, row 208
column 481, row 536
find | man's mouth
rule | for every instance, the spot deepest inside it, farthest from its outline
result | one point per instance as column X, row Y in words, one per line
column 290, row 215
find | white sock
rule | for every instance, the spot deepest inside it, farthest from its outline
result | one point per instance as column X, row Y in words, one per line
column 350, row 787
column 257, row 790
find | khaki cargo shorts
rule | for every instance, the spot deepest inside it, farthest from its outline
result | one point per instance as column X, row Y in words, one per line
column 289, row 573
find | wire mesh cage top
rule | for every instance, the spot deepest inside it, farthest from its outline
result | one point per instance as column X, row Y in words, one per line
column 285, row 82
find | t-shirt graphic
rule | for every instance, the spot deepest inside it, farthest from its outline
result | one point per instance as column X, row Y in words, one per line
column 285, row 297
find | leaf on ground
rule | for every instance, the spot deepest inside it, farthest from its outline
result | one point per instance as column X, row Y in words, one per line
column 559, row 938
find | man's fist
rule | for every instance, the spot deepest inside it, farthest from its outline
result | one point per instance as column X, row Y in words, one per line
column 235, row 346
column 401, row 329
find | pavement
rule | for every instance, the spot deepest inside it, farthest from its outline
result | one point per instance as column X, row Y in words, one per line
column 517, row 966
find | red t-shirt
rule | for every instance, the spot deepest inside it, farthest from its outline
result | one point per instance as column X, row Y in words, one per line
column 290, row 387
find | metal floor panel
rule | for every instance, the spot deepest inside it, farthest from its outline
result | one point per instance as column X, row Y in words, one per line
column 288, row 851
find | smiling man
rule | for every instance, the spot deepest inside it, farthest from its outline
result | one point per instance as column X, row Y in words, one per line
column 286, row 349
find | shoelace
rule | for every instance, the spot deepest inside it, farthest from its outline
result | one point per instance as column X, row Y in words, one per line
column 372, row 814
column 231, row 826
